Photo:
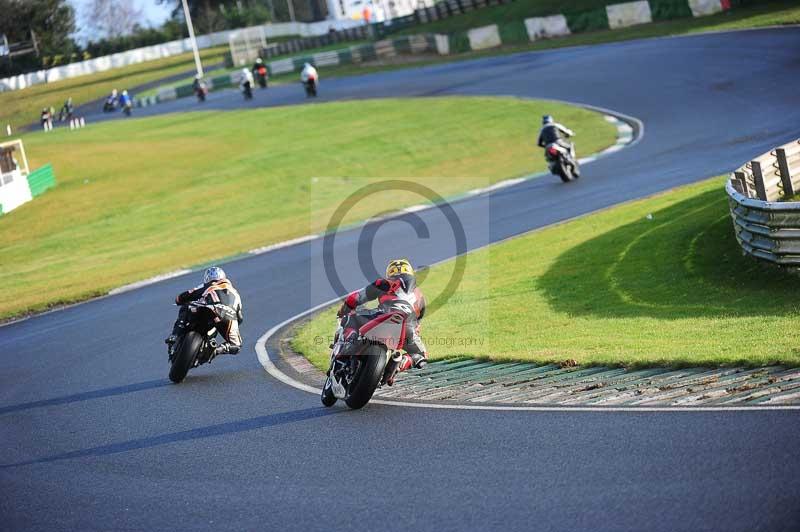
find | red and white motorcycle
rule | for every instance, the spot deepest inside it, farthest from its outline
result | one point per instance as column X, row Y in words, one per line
column 364, row 359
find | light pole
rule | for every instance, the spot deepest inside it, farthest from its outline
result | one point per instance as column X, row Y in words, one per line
column 192, row 40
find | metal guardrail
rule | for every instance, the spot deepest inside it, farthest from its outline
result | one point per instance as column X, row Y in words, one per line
column 760, row 194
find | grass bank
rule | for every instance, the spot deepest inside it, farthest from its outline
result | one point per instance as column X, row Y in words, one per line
column 615, row 288
column 132, row 193
column 23, row 107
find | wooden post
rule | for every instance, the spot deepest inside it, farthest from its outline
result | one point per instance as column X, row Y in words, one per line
column 758, row 177
column 786, row 176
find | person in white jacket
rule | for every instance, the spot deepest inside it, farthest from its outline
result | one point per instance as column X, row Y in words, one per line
column 309, row 73
column 246, row 77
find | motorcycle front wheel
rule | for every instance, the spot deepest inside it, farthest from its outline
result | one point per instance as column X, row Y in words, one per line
column 367, row 377
column 187, row 350
column 327, row 397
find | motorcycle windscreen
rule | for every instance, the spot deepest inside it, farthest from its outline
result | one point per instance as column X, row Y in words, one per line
column 387, row 329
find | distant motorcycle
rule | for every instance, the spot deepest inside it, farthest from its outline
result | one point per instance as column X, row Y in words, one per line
column 197, row 344
column 561, row 162
column 201, row 91
column 110, row 104
column 311, row 87
column 364, row 360
column 261, row 76
column 247, row 90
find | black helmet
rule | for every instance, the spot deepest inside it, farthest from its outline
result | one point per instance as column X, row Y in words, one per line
column 547, row 119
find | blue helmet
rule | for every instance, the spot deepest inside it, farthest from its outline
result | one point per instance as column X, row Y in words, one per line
column 215, row 273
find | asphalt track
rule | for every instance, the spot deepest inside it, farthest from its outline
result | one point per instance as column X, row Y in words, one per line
column 94, row 437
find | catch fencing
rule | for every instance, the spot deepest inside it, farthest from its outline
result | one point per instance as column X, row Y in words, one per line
column 765, row 217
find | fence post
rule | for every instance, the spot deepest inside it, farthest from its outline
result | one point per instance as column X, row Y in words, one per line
column 758, row 177
column 786, row 176
column 740, row 179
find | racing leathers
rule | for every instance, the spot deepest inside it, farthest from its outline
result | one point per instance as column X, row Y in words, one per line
column 398, row 293
column 309, row 73
column 555, row 133
column 219, row 292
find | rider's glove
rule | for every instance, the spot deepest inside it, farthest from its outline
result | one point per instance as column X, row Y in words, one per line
column 344, row 310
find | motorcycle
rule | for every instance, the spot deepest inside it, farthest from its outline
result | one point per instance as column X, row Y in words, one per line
column 196, row 345
column 561, row 162
column 247, row 90
column 311, row 87
column 364, row 360
column 261, row 77
column 201, row 92
column 110, row 104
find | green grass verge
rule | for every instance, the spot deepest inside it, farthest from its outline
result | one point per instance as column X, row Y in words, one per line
column 143, row 196
column 614, row 288
column 23, row 107
column 281, row 78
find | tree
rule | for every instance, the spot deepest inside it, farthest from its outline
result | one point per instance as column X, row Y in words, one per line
column 214, row 15
column 51, row 21
column 112, row 18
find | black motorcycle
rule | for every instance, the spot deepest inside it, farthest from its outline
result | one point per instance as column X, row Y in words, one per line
column 110, row 104
column 311, row 87
column 561, row 162
column 196, row 344
column 247, row 90
column 365, row 360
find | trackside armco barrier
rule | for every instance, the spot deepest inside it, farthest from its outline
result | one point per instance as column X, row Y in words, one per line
column 766, row 227
column 612, row 16
column 413, row 44
column 167, row 49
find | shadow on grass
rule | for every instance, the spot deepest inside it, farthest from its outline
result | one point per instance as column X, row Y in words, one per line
column 683, row 263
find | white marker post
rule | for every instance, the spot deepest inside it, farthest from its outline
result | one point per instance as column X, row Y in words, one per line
column 192, row 40
column 8, row 129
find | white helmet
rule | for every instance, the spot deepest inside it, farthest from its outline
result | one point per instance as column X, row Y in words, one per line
column 214, row 273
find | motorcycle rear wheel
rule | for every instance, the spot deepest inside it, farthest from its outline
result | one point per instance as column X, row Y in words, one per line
column 367, row 377
column 187, row 351
column 564, row 171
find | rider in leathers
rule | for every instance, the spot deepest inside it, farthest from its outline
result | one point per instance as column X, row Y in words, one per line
column 216, row 288
column 397, row 291
column 554, row 133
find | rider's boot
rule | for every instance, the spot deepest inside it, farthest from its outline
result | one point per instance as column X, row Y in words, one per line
column 407, row 362
column 226, row 348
